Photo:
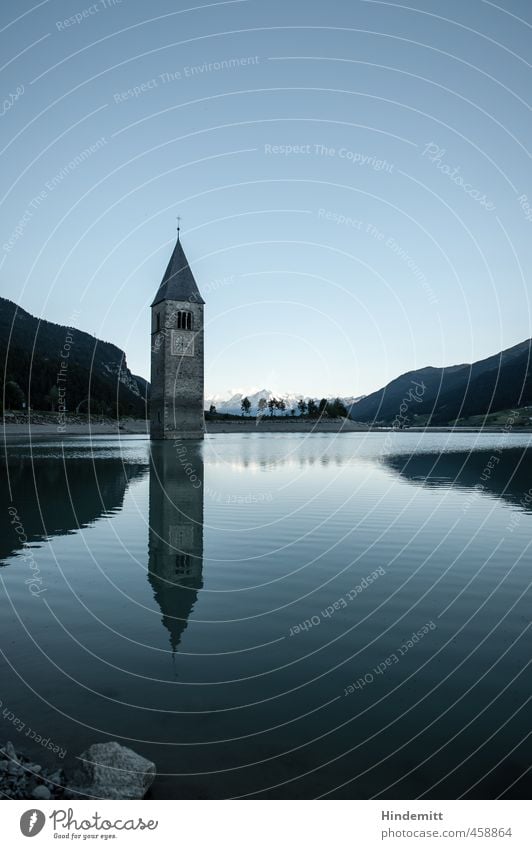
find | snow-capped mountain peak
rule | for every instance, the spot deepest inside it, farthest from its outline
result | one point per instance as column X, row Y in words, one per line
column 231, row 402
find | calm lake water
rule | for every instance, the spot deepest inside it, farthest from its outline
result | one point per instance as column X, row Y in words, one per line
column 242, row 611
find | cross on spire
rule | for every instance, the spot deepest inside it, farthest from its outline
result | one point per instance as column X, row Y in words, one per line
column 178, row 226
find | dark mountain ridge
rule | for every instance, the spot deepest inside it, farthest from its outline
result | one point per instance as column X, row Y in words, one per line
column 46, row 366
column 499, row 382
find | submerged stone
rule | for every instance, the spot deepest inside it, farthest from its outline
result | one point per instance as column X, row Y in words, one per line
column 110, row 771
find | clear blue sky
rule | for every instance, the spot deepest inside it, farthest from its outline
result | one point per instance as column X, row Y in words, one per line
column 266, row 124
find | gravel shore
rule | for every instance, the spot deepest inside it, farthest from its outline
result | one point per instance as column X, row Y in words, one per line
column 46, row 425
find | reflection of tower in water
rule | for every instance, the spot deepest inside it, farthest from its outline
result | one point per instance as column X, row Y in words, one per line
column 176, row 532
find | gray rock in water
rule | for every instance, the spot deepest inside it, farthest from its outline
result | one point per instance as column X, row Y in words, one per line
column 9, row 749
column 55, row 778
column 15, row 769
column 110, row 771
column 41, row 792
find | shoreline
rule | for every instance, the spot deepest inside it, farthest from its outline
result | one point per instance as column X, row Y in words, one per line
column 139, row 427
column 284, row 425
column 48, row 426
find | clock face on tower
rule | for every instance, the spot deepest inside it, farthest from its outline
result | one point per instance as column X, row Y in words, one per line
column 182, row 343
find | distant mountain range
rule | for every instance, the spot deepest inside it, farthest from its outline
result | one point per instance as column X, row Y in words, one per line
column 436, row 396
column 32, row 354
column 231, row 403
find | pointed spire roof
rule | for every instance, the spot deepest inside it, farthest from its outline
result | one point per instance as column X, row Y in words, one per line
column 178, row 283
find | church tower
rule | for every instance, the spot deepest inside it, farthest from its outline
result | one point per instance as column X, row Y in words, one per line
column 176, row 404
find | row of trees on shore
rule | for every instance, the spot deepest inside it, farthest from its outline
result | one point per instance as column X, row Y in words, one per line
column 312, row 408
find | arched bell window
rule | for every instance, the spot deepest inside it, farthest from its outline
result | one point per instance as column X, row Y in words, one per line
column 184, row 320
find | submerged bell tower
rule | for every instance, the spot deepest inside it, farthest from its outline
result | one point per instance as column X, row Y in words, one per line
column 176, row 404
